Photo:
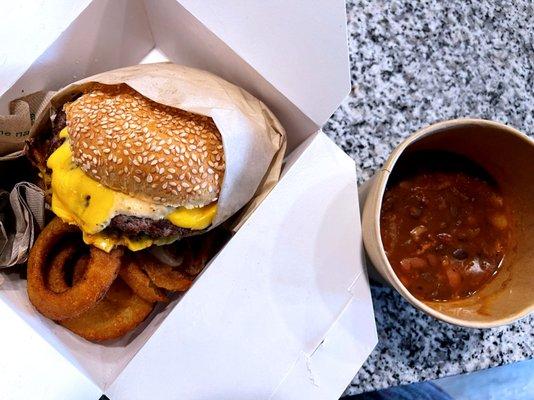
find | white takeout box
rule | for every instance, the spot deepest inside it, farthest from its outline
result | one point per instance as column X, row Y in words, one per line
column 284, row 311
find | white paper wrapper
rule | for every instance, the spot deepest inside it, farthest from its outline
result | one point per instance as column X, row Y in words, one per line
column 15, row 127
column 254, row 141
column 23, row 208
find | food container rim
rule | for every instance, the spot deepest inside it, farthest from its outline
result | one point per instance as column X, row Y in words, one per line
column 383, row 179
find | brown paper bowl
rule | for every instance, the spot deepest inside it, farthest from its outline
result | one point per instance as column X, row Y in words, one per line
column 506, row 154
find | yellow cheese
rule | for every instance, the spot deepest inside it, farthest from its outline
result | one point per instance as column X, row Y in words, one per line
column 76, row 198
column 79, row 199
column 193, row 218
column 108, row 242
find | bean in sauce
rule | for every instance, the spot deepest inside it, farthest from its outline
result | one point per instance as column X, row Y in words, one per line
column 445, row 226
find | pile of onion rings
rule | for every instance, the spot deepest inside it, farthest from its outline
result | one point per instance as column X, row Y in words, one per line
column 102, row 296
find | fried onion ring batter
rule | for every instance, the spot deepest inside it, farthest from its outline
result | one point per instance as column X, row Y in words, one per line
column 140, row 283
column 164, row 276
column 120, row 311
column 102, row 269
column 57, row 281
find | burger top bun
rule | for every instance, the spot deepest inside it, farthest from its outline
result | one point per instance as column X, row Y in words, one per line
column 153, row 152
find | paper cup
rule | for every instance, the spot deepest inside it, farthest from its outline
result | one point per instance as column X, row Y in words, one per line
column 508, row 156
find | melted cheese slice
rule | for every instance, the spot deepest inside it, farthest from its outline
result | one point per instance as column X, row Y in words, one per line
column 79, row 199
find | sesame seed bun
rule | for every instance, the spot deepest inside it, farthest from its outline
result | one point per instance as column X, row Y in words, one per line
column 150, row 151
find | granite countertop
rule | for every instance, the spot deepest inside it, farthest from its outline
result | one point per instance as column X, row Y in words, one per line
column 415, row 63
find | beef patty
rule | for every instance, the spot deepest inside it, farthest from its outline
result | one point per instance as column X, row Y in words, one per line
column 140, row 226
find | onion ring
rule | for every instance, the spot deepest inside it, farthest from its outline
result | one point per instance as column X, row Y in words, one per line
column 79, row 269
column 56, row 275
column 164, row 276
column 140, row 283
column 102, row 269
column 120, row 311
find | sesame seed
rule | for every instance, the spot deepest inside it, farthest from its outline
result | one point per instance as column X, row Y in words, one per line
column 170, row 140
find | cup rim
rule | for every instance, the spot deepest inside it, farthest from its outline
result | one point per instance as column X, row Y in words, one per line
column 382, row 183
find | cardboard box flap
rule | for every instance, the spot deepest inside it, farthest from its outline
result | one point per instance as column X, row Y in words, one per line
column 340, row 346
column 28, row 364
column 33, row 35
column 299, row 46
column 286, row 282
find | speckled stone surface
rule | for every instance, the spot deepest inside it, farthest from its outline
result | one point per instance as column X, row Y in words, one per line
column 415, row 63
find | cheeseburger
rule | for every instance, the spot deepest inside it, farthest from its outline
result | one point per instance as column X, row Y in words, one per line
column 129, row 171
